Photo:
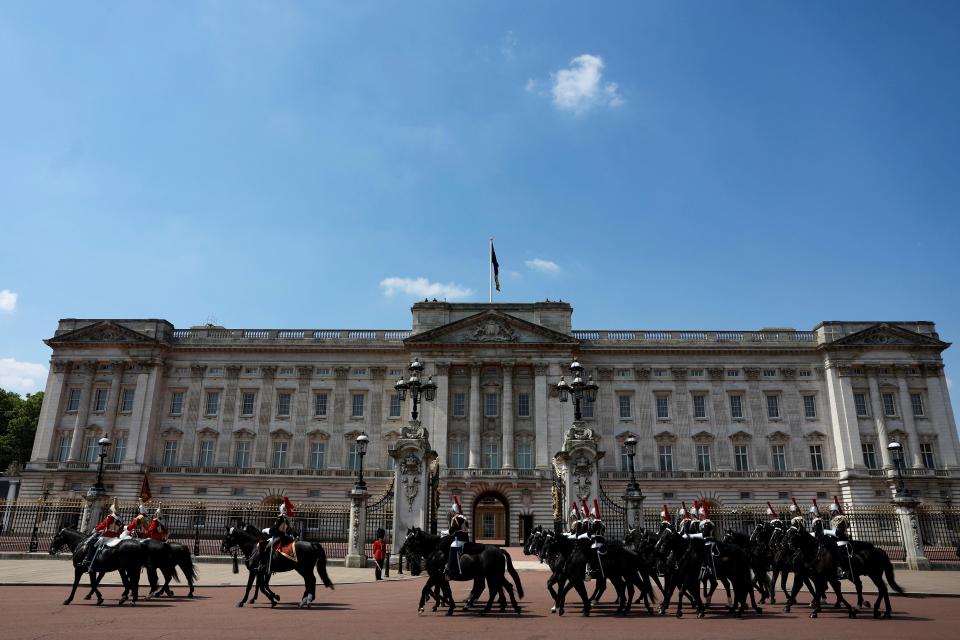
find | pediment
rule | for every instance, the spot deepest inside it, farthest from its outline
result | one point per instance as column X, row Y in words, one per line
column 491, row 327
column 887, row 336
column 778, row 437
column 100, row 333
column 207, row 432
column 318, row 434
column 741, row 436
column 703, row 437
column 815, row 435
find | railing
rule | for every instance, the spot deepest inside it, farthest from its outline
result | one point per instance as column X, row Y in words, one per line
column 205, row 335
column 495, row 473
column 940, row 533
column 260, row 471
column 720, row 337
column 719, row 475
column 29, row 525
column 379, row 516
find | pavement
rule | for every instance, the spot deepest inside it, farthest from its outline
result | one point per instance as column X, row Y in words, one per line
column 389, row 610
column 59, row 571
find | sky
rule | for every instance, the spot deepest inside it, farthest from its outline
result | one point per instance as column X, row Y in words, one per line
column 664, row 165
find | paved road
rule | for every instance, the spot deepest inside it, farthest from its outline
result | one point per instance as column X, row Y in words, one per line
column 388, row 610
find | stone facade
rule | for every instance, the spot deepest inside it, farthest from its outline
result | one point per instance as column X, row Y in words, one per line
column 737, row 416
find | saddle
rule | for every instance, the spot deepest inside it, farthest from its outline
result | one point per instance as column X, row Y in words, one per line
column 288, row 550
column 112, row 542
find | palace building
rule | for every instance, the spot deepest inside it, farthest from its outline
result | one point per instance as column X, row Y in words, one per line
column 741, row 417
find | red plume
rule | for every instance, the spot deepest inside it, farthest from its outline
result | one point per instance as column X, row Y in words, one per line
column 706, row 511
column 665, row 514
column 596, row 509
column 771, row 511
column 586, row 509
column 289, row 506
column 839, row 506
column 575, row 508
column 456, row 504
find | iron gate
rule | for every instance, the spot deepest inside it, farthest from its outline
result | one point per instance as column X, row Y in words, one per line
column 379, row 516
column 613, row 513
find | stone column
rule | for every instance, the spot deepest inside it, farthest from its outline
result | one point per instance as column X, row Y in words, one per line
column 507, row 417
column 261, row 445
column 843, row 418
column 411, row 484
column 578, row 465
column 337, row 455
column 876, row 406
column 475, row 416
column 113, row 402
column 356, row 557
column 50, row 412
column 11, row 496
column 540, row 416
column 441, row 406
column 195, row 401
column 301, row 417
column 906, row 509
column 634, row 503
column 229, row 412
column 83, row 411
column 147, row 411
column 906, row 410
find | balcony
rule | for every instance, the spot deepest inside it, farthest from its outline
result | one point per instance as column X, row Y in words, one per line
column 718, row 475
column 217, row 335
column 701, row 338
column 516, row 474
column 258, row 471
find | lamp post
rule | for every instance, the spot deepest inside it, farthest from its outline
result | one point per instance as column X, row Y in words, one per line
column 578, row 388
column 631, row 444
column 427, row 391
column 104, row 444
column 362, row 441
column 896, row 452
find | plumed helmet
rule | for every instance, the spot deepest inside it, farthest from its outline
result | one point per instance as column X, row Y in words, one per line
column 797, row 521
column 596, row 510
column 113, row 507
column 794, row 507
column 585, row 512
column 683, row 513
column 157, row 515
column 574, row 510
column 770, row 510
column 836, row 507
column 665, row 514
column 457, row 508
column 814, row 507
column 704, row 511
column 142, row 508
column 286, row 507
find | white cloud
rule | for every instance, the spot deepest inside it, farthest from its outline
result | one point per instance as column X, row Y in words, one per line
column 545, row 266
column 8, row 300
column 423, row 288
column 22, row 377
column 580, row 87
column 508, row 45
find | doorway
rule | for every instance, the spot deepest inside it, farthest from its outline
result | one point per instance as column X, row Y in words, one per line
column 491, row 513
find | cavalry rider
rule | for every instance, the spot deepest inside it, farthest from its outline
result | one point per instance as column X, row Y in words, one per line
column 695, row 520
column 138, row 526
column 573, row 521
column 158, row 528
column 280, row 532
column 796, row 518
column 707, row 529
column 840, row 530
column 683, row 522
column 776, row 523
column 586, row 520
column 109, row 527
column 665, row 522
column 817, row 522
column 458, row 530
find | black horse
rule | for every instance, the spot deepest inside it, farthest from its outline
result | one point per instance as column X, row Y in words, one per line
column 569, row 562
column 310, row 555
column 128, row 557
column 478, row 562
column 816, row 561
column 179, row 556
column 681, row 571
column 538, row 543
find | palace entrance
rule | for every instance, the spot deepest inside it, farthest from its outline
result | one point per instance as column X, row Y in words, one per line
column 491, row 513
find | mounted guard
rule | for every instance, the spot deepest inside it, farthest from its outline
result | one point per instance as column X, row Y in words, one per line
column 158, row 527
column 776, row 523
column 459, row 537
column 796, row 518
column 138, row 525
column 840, row 526
column 278, row 537
column 665, row 522
column 573, row 521
column 683, row 522
column 694, row 527
column 109, row 527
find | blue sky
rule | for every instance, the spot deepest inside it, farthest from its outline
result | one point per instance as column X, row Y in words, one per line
column 658, row 164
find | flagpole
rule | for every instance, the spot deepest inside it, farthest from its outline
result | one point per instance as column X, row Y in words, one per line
column 490, row 264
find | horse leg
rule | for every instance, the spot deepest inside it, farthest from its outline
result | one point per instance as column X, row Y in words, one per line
column 513, row 600
column 582, row 591
column 309, row 587
column 792, row 594
column 448, row 594
column 77, row 572
column 598, row 590
column 552, row 580
column 246, row 593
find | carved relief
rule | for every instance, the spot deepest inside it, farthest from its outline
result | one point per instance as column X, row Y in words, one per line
column 268, row 371
column 540, row 369
column 703, row 437
column 234, row 370
column 494, row 331
column 778, row 437
column 410, row 469
column 642, row 373
column 341, row 372
column 197, row 370
column 715, row 373
column 752, row 373
column 583, row 476
column 788, row 373
column 665, row 438
column 305, row 371
column 605, row 373
column 678, row 374
column 60, row 366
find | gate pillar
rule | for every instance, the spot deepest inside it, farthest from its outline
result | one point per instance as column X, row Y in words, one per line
column 356, row 557
column 577, row 466
column 94, row 503
column 411, row 493
column 906, row 509
column 634, row 503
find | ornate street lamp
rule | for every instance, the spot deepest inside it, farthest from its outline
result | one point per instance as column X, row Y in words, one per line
column 896, row 452
column 362, row 441
column 578, row 388
column 418, row 390
column 631, row 444
column 104, row 444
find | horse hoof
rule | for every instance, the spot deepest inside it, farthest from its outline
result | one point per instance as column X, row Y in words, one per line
column 786, row 609
column 66, row 602
column 449, row 612
column 876, row 614
column 865, row 605
column 852, row 614
column 239, row 604
column 679, row 614
column 88, row 596
column 887, row 615
column 700, row 614
column 759, row 611
column 420, row 612
column 553, row 609
column 813, row 614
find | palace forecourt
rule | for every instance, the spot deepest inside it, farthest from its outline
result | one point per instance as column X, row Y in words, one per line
column 738, row 417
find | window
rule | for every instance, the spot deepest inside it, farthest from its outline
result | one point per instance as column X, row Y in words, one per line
column 246, row 403
column 624, row 459
column 703, row 457
column 283, row 404
column 816, row 457
column 353, row 457
column 213, row 403
column 810, row 406
column 699, row 406
column 587, row 408
column 740, row 457
column 318, row 455
column 889, row 405
column 916, row 402
column 280, row 454
column 242, row 457
column 359, row 372
column 205, row 455
column 119, row 449
column 490, row 458
column 696, row 373
column 806, row 373
column 394, row 405
column 665, row 454
column 745, row 495
column 459, row 405
column 90, row 449
column 736, row 407
column 320, row 405
column 323, row 373
column 489, row 524
column 860, row 400
column 524, row 455
column 216, row 371
column 926, row 455
column 176, row 403
column 623, row 402
column 779, row 457
column 660, row 373
column 63, row 447
column 663, row 407
column 356, row 409
column 733, row 373
column 490, row 405
column 869, row 456
column 523, row 405
column 100, row 400
column 458, row 455
column 769, row 373
column 126, row 401
column 250, row 371
column 170, row 453
column 773, row 406
column 286, row 371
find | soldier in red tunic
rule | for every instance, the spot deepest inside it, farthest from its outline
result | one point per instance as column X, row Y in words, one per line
column 109, row 527
column 158, row 528
column 138, row 526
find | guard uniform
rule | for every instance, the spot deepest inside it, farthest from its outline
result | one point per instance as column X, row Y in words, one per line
column 109, row 527
column 138, row 526
column 796, row 518
column 379, row 553
column 280, row 532
column 775, row 523
column 458, row 531
column 158, row 528
column 840, row 529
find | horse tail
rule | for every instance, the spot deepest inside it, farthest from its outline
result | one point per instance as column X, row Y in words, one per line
column 513, row 573
column 173, row 573
column 186, row 564
column 888, row 573
column 322, row 565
